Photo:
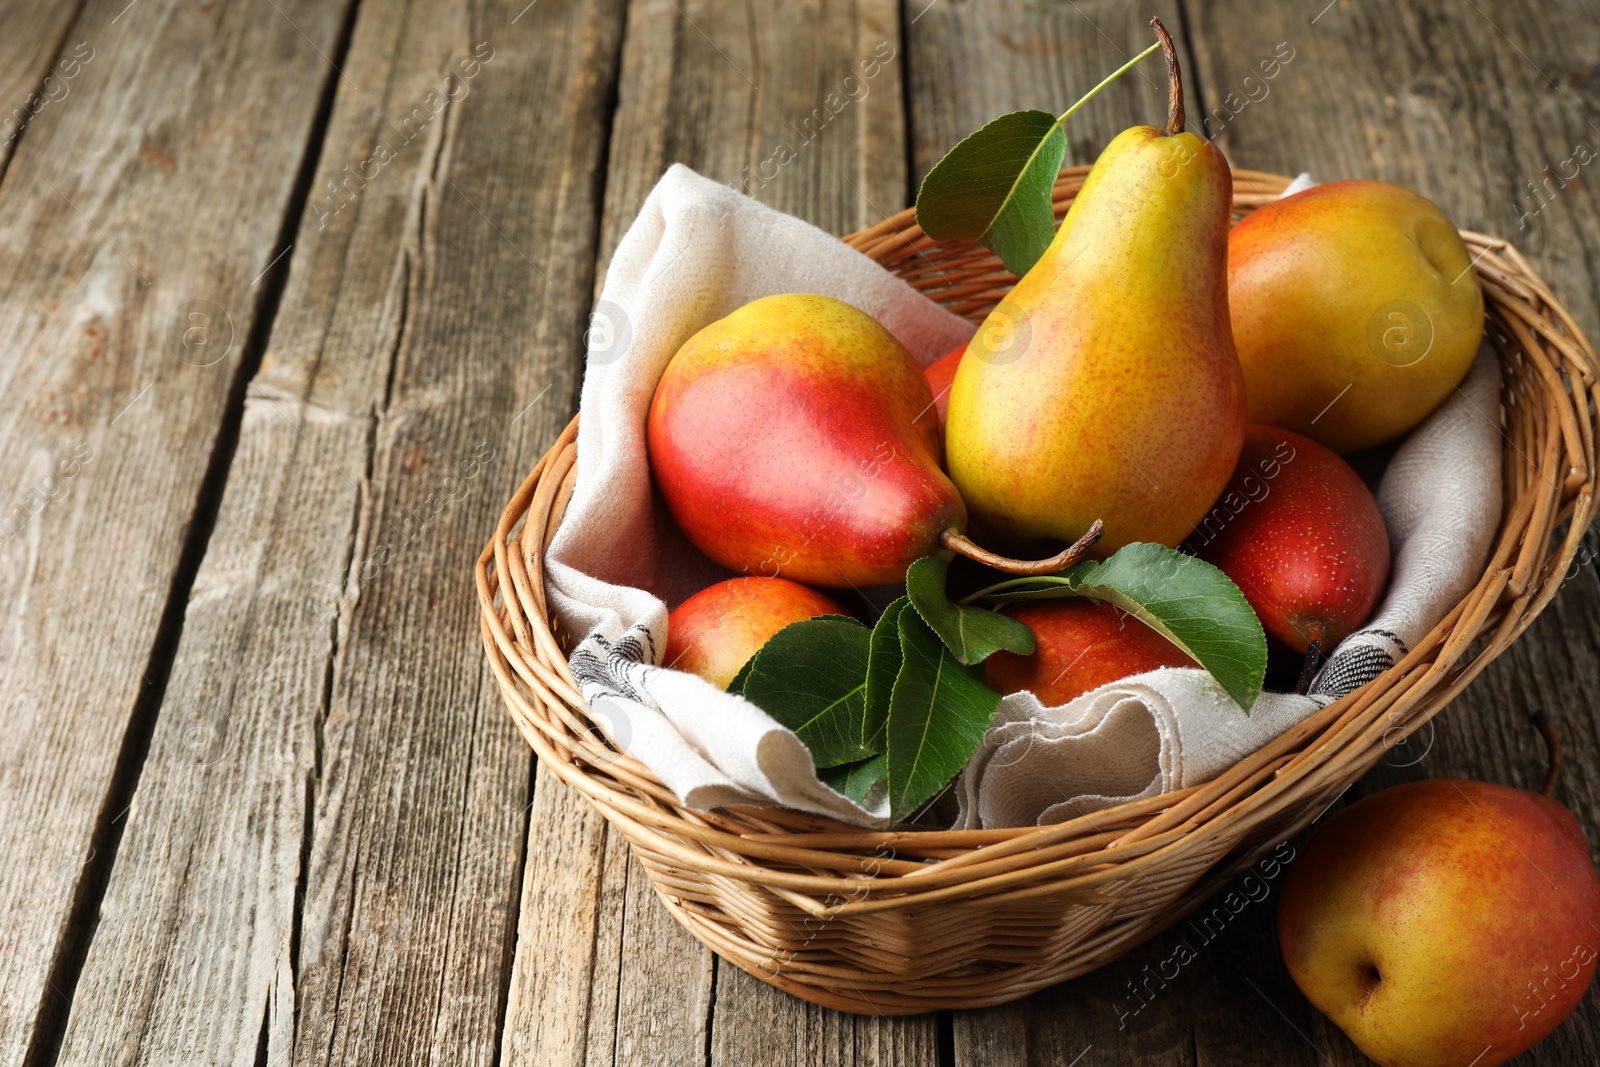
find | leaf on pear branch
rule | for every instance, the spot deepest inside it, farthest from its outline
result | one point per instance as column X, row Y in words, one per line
column 938, row 714
column 811, row 677
column 995, row 187
column 972, row 634
column 1187, row 600
column 883, row 666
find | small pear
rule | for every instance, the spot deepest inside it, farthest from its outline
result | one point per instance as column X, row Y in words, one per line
column 717, row 630
column 1106, row 384
column 1301, row 536
column 1355, row 309
column 1079, row 646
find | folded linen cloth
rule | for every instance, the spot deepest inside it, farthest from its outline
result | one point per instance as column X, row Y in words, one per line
column 698, row 251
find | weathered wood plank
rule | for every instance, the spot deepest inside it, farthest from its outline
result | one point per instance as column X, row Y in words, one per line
column 420, row 813
column 154, row 192
column 194, row 953
column 37, row 66
column 801, row 106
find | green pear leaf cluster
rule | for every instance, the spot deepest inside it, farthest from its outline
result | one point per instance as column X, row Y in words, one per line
column 938, row 713
column 811, row 677
column 1187, row 600
column 899, row 708
column 892, row 708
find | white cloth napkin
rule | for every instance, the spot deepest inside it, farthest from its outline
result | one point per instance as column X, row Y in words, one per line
column 697, row 251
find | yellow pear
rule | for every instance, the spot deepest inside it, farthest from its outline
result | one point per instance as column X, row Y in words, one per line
column 1106, row 385
column 1356, row 311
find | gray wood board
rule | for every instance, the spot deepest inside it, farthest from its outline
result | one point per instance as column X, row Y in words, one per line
column 138, row 219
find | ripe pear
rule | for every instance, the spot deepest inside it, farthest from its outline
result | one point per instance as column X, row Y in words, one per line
column 1106, row 384
column 1301, row 536
column 1079, row 645
column 797, row 436
column 1445, row 922
column 941, row 373
column 1356, row 311
column 717, row 630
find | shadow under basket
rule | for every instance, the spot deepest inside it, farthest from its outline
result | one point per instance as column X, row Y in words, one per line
column 895, row 922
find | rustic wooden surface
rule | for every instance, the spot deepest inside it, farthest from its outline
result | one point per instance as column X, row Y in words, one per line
column 258, row 800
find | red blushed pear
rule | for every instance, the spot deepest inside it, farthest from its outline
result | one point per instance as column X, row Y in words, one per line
column 717, row 630
column 941, row 373
column 1444, row 923
column 1079, row 645
column 1300, row 535
column 796, row 436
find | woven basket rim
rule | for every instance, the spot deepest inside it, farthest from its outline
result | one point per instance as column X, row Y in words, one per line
column 830, row 871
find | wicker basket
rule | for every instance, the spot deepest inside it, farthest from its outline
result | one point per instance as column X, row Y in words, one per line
column 910, row 921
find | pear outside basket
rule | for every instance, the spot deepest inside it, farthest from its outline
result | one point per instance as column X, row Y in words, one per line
column 911, row 921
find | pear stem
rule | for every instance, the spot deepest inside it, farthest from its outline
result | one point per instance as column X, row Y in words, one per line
column 1552, row 744
column 1174, row 79
column 1308, row 669
column 1109, row 78
column 960, row 543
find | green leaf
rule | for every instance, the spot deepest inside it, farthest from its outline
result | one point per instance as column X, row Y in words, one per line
column 811, row 677
column 856, row 780
column 938, row 714
column 995, row 188
column 973, row 634
column 1187, row 600
column 883, row 666
column 736, row 687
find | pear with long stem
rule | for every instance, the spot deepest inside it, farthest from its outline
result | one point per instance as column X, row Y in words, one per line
column 1106, row 385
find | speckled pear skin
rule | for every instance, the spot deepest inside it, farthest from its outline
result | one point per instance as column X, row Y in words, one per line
column 1356, row 311
column 1106, row 384
column 716, row 631
column 797, row 437
column 1300, row 535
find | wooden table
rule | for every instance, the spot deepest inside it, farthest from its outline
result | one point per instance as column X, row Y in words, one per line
column 293, row 292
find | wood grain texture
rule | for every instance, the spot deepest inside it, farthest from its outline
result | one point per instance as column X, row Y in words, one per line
column 419, row 818
column 756, row 1024
column 785, row 102
column 156, row 190
column 799, row 105
column 37, row 66
column 194, row 953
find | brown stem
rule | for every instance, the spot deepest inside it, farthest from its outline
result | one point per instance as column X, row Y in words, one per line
column 960, row 543
column 1174, row 79
column 1308, row 669
column 1552, row 744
